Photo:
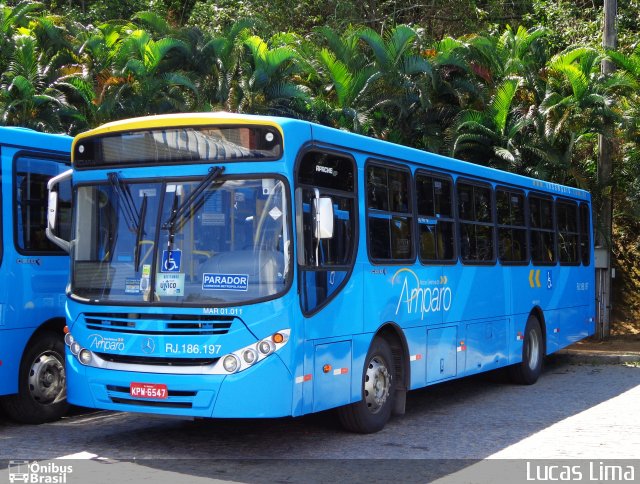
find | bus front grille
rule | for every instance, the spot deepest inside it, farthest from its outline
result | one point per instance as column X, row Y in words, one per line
column 151, row 403
column 159, row 324
column 159, row 361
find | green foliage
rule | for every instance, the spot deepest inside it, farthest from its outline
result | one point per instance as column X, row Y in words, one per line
column 455, row 78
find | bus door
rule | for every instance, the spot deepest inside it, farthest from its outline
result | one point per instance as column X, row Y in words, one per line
column 329, row 289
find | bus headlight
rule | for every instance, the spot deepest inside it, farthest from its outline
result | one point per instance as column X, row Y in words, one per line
column 85, row 356
column 250, row 355
column 68, row 339
column 266, row 347
column 230, row 363
column 75, row 348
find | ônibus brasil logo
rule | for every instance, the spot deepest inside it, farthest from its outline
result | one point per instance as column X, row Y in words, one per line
column 422, row 297
column 38, row 473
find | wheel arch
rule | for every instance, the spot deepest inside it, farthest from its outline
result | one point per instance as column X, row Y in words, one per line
column 539, row 315
column 54, row 325
column 394, row 335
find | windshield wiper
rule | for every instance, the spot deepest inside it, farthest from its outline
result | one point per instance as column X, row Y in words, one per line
column 177, row 211
column 126, row 200
column 140, row 232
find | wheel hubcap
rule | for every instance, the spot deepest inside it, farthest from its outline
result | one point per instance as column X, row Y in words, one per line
column 46, row 379
column 377, row 382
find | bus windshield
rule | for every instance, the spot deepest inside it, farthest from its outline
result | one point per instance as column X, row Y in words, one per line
column 229, row 244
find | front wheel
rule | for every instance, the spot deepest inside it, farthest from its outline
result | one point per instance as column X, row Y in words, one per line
column 373, row 411
column 42, row 395
column 528, row 371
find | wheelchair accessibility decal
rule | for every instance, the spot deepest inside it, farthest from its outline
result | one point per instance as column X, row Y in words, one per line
column 171, row 260
column 534, row 279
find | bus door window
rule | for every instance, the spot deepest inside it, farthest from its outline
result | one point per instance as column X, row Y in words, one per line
column 31, row 177
column 325, row 175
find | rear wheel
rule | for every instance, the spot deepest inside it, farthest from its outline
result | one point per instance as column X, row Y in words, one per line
column 373, row 411
column 42, row 395
column 528, row 371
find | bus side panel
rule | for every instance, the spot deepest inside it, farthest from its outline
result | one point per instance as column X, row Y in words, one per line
column 478, row 292
column 417, row 345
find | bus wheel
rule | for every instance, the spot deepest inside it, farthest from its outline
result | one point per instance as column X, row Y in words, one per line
column 528, row 371
column 373, row 411
column 42, row 394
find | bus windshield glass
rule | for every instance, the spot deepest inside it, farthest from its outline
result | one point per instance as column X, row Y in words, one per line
column 230, row 245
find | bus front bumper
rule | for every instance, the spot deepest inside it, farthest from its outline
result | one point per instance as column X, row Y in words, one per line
column 264, row 390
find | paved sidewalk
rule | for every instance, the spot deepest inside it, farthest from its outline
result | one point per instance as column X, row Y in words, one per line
column 613, row 350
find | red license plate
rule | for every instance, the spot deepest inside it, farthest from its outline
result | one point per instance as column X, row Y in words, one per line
column 149, row 390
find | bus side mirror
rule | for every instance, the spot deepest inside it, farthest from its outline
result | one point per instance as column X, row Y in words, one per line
column 323, row 215
column 52, row 211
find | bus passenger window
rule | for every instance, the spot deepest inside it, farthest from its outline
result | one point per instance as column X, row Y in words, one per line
column 512, row 229
column 585, row 234
column 435, row 219
column 542, row 231
column 32, row 175
column 475, row 210
column 389, row 216
column 567, row 221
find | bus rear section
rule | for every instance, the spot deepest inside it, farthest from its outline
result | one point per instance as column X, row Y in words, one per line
column 34, row 274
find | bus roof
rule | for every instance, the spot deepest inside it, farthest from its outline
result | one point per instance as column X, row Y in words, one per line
column 338, row 137
column 25, row 137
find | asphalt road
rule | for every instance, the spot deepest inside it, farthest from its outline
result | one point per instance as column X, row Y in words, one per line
column 573, row 412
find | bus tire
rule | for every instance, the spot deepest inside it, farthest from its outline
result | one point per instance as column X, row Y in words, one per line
column 528, row 370
column 42, row 394
column 373, row 411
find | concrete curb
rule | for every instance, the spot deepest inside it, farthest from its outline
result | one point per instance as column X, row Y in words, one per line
column 585, row 357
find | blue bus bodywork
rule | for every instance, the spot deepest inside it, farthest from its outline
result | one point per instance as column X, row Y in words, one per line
column 34, row 274
column 351, row 327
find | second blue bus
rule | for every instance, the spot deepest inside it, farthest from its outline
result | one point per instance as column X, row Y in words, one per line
column 34, row 274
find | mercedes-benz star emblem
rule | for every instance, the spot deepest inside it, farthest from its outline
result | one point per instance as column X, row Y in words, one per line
column 148, row 345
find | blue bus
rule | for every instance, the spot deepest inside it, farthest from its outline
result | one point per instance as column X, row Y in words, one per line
column 34, row 273
column 234, row 266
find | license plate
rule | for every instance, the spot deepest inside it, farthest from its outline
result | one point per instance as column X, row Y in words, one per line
column 149, row 390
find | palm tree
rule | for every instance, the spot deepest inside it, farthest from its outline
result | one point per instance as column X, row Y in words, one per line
column 628, row 169
column 401, row 83
column 11, row 19
column 500, row 136
column 143, row 82
column 216, row 64
column 268, row 81
column 579, row 103
column 340, row 75
column 32, row 90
